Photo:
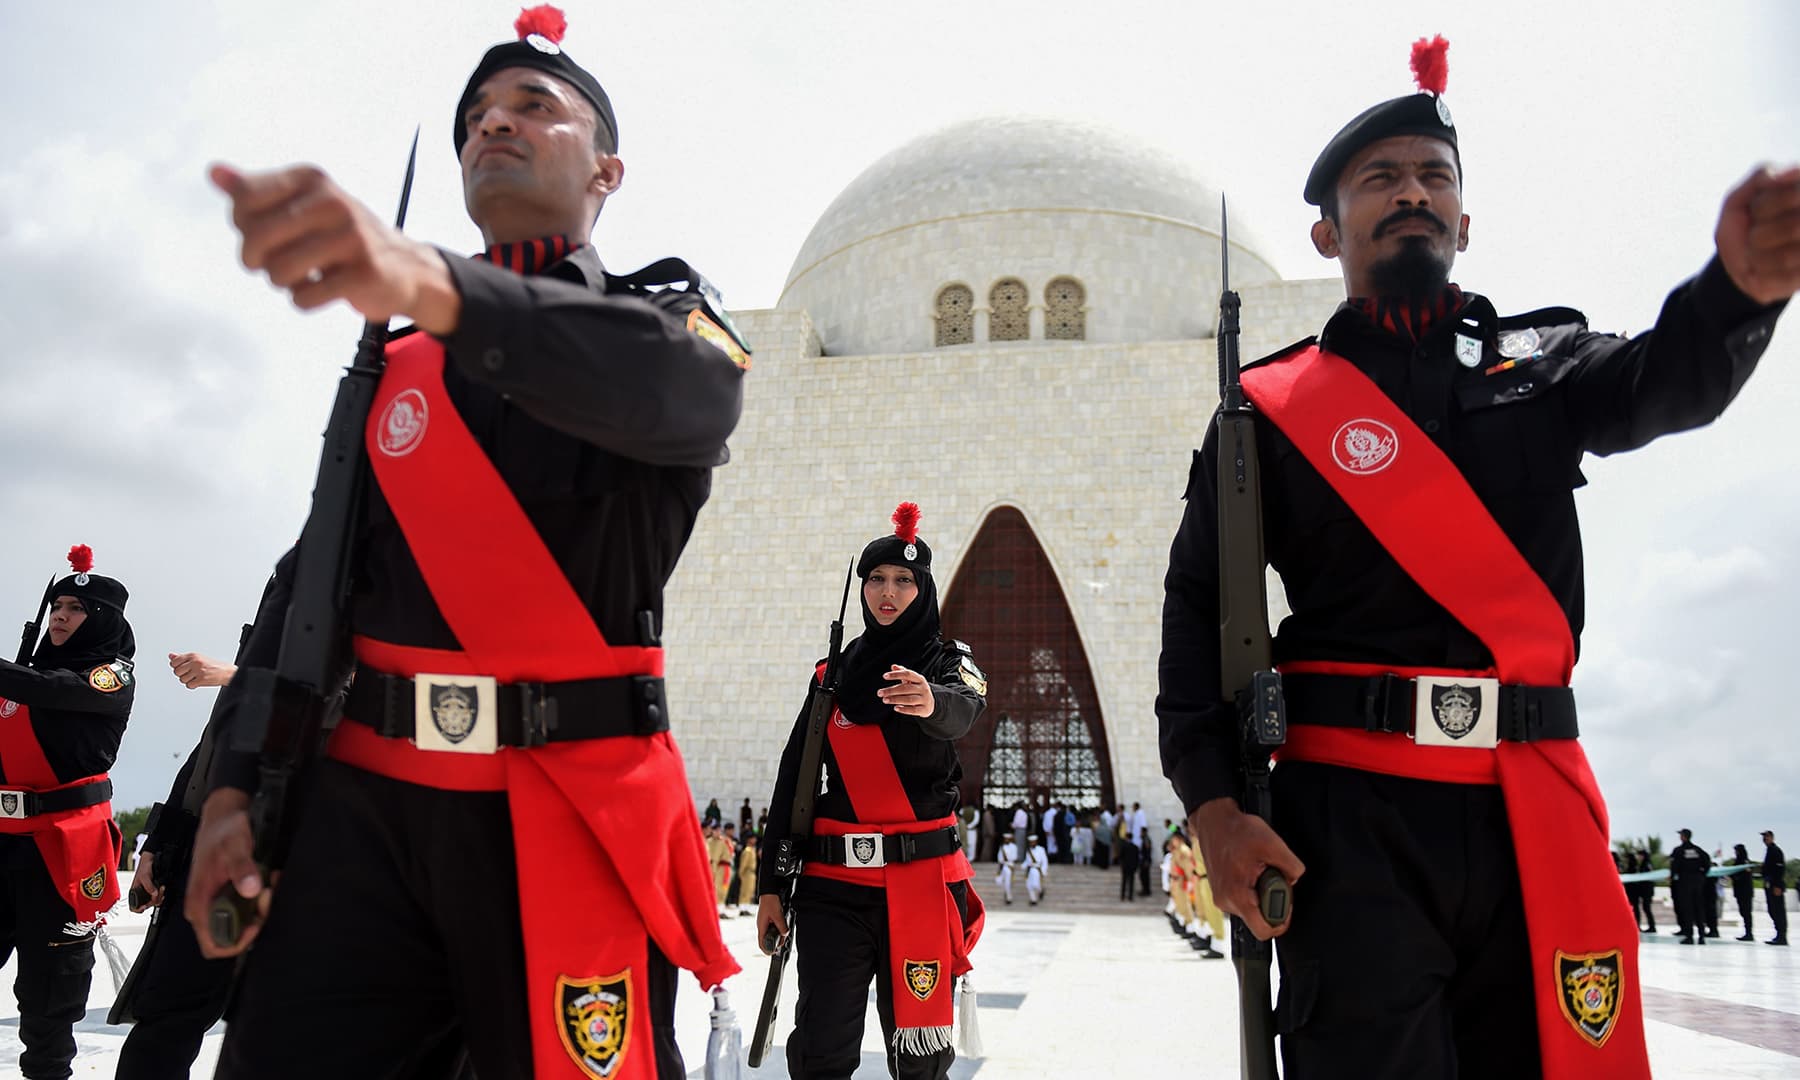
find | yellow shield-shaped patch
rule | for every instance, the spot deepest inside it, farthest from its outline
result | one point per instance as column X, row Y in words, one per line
column 104, row 679
column 1592, row 985
column 94, row 885
column 922, row 978
column 596, row 1017
column 714, row 334
column 972, row 676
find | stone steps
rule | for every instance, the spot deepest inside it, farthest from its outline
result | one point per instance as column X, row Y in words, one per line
column 1072, row 889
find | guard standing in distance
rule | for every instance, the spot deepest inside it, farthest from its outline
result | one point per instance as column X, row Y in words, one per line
column 1644, row 899
column 63, row 709
column 1774, row 875
column 1688, row 883
column 1743, row 890
column 1417, row 476
column 886, row 892
column 1037, row 869
column 1011, row 859
column 539, row 450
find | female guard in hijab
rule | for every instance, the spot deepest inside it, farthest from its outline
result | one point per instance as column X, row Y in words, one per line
column 63, row 707
column 885, row 892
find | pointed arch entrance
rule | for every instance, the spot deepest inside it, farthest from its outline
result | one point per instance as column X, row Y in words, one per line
column 1042, row 734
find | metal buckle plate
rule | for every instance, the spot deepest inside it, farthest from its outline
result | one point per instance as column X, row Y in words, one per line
column 864, row 850
column 12, row 804
column 1456, row 710
column 456, row 714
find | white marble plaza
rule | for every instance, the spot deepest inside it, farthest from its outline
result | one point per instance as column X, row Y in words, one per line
column 1094, row 995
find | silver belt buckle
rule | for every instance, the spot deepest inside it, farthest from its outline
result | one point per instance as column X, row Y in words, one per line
column 12, row 804
column 864, row 850
column 456, row 714
column 1456, row 710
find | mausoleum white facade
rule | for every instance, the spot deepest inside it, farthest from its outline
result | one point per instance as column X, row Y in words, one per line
column 1010, row 322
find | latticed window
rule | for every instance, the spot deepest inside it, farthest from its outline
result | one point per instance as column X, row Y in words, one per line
column 1041, row 734
column 1063, row 318
column 1009, row 305
column 955, row 315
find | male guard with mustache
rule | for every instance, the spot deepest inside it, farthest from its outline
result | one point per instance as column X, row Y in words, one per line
column 1455, row 910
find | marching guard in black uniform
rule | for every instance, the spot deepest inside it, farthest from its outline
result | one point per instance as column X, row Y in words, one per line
column 1418, row 467
column 886, row 892
column 63, row 709
column 538, row 452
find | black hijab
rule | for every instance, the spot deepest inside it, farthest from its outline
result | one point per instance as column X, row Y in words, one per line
column 911, row 641
column 102, row 637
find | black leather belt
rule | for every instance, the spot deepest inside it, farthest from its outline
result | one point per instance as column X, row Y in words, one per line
column 528, row 714
column 1384, row 703
column 17, row 803
column 892, row 848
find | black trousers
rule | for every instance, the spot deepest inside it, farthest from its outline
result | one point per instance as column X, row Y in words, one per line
column 394, row 945
column 841, row 933
column 1643, row 895
column 1690, row 900
column 1777, row 911
column 55, row 966
column 1746, row 904
column 1102, row 853
column 177, row 997
column 1407, row 952
column 1145, row 861
column 1709, row 892
column 1128, row 868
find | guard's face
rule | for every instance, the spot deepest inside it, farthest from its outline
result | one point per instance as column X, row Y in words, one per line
column 66, row 617
column 531, row 139
column 1399, row 200
column 889, row 591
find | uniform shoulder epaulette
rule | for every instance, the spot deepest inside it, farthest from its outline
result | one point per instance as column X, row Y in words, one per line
column 698, row 303
column 961, row 647
column 1542, row 317
column 1281, row 354
column 110, row 678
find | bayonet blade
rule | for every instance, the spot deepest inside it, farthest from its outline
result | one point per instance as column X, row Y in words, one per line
column 1224, row 247
column 412, row 161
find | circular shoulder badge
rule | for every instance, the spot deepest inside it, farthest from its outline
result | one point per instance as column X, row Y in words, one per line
column 9, row 708
column 403, row 424
column 1365, row 446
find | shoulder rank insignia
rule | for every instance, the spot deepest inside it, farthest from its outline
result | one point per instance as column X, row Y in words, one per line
column 700, row 323
column 962, row 647
column 596, row 1017
column 972, row 675
column 110, row 678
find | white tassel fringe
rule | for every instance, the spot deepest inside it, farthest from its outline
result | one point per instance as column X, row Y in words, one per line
column 965, row 1015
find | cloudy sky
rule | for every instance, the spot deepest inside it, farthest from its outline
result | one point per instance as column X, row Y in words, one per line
column 164, row 407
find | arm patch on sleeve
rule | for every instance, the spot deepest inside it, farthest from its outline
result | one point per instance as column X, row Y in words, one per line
column 111, row 678
column 972, row 676
column 701, row 324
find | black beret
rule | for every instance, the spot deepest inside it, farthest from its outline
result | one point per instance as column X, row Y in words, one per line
column 540, row 31
column 93, row 587
column 1414, row 114
column 904, row 547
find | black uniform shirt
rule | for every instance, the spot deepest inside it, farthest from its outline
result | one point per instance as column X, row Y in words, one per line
column 924, row 753
column 78, row 727
column 1774, row 866
column 1517, row 436
column 603, row 414
column 1689, row 861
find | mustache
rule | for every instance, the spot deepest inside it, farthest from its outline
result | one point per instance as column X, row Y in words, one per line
column 1399, row 216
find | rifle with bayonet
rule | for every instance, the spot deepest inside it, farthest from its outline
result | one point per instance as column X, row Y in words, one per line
column 282, row 712
column 787, row 858
column 34, row 627
column 1247, row 679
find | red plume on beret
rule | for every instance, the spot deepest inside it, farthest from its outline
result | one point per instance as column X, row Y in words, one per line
column 1430, row 68
column 906, row 521
column 81, row 558
column 545, row 20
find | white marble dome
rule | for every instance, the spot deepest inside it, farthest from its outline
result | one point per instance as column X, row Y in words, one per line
column 1033, row 200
